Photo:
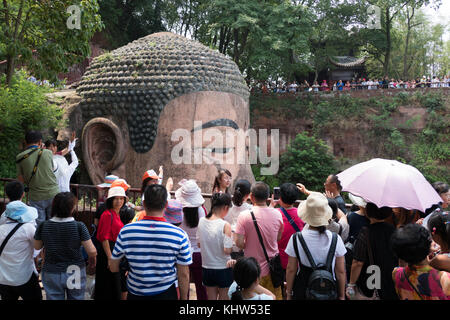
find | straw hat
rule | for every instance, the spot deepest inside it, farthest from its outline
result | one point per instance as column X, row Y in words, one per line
column 315, row 211
column 357, row 201
column 190, row 195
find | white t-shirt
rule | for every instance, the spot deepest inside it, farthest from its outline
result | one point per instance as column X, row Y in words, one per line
column 234, row 212
column 262, row 296
column 318, row 244
column 192, row 232
column 232, row 217
column 211, row 237
column 16, row 261
column 63, row 171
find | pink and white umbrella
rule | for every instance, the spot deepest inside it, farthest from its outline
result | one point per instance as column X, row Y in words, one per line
column 389, row 183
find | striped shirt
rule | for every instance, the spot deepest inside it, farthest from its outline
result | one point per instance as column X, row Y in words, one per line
column 62, row 239
column 153, row 247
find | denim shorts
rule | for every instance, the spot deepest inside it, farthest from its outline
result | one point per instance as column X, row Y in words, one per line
column 222, row 278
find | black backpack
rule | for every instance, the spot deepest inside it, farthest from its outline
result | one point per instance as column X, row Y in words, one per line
column 320, row 283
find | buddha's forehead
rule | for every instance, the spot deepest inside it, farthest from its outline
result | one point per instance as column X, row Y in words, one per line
column 137, row 81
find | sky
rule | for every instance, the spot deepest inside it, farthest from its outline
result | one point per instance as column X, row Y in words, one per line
column 442, row 15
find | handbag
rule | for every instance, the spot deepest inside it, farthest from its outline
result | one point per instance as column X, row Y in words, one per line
column 276, row 270
column 359, row 295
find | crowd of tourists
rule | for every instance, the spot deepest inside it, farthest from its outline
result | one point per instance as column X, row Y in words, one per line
column 248, row 244
column 354, row 84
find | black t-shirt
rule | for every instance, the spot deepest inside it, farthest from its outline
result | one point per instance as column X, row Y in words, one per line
column 62, row 243
column 383, row 257
column 126, row 213
column 356, row 223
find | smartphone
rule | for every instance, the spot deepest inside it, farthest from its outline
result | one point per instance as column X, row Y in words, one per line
column 276, row 193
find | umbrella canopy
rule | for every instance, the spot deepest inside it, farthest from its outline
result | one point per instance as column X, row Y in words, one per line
column 389, row 183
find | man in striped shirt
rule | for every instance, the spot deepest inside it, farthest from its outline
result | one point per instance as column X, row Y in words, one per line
column 158, row 252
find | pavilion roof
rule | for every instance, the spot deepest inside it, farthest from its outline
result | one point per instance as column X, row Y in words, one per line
column 347, row 61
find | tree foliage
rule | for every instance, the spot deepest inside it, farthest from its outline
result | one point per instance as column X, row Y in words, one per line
column 308, row 161
column 23, row 106
column 35, row 34
column 128, row 20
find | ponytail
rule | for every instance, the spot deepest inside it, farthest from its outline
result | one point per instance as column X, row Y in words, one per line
column 219, row 200
column 241, row 190
column 237, row 295
column 245, row 272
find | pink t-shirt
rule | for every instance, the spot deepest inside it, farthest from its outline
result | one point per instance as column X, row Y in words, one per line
column 288, row 231
column 270, row 223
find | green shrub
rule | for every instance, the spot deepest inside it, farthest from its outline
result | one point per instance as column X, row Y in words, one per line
column 23, row 107
column 433, row 101
column 307, row 161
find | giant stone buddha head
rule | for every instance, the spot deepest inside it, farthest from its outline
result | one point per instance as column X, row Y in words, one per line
column 134, row 98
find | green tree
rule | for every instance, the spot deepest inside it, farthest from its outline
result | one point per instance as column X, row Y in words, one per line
column 381, row 46
column 35, row 34
column 23, row 106
column 264, row 38
column 307, row 161
column 128, row 20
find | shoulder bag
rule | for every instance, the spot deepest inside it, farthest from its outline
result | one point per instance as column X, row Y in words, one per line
column 276, row 270
column 10, row 234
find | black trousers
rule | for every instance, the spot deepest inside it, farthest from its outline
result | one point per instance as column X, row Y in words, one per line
column 169, row 294
column 107, row 283
column 28, row 291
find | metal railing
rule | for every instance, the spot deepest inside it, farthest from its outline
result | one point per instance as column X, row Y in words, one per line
column 90, row 196
column 351, row 87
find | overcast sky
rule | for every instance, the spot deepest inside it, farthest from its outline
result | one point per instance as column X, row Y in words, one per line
column 442, row 15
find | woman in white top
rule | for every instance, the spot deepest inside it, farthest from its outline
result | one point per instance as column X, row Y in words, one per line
column 316, row 212
column 246, row 286
column 214, row 240
column 190, row 196
column 240, row 204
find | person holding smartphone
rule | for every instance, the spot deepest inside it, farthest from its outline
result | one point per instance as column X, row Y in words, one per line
column 287, row 194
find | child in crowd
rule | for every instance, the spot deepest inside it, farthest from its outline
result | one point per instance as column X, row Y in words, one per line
column 439, row 226
column 246, row 285
column 214, row 240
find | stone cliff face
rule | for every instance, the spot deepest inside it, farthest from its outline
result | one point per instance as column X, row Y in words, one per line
column 346, row 139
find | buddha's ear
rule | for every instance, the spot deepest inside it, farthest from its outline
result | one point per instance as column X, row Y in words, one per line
column 103, row 148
